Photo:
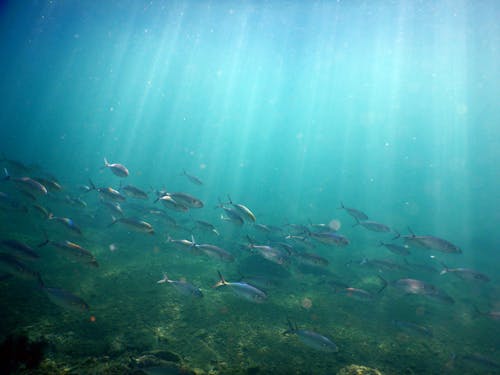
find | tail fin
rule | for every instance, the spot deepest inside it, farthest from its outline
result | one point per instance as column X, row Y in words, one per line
column 381, row 243
column 92, row 186
column 164, row 280
column 221, row 282
column 384, row 282
column 445, row 270
column 106, row 164
column 357, row 222
column 7, row 175
column 46, row 242
column 115, row 220
column 398, row 235
column 40, row 281
column 342, row 207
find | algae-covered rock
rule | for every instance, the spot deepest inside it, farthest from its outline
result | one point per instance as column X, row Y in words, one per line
column 358, row 370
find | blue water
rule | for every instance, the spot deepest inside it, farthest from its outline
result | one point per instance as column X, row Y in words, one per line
column 290, row 108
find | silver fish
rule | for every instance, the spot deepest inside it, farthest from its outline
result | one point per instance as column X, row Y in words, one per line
column 430, row 242
column 186, row 199
column 330, row 238
column 118, row 169
column 134, row 223
column 357, row 294
column 13, row 266
column 243, row 210
column 19, row 249
column 72, row 251
column 413, row 328
column 395, row 248
column 135, row 192
column 195, row 180
column 215, row 252
column 353, row 212
column 465, row 273
column 65, row 299
column 312, row 339
column 67, row 222
column 182, row 287
column 373, row 226
column 170, row 203
column 243, row 290
column 27, row 183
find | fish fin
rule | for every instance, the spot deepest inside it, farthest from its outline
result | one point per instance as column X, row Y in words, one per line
column 397, row 235
column 229, row 198
column 164, row 280
column 384, row 281
column 357, row 222
column 445, row 270
column 221, row 282
column 381, row 243
column 194, row 244
column 342, row 207
column 40, row 281
column 115, row 220
column 7, row 175
column 92, row 186
column 106, row 164
column 411, row 232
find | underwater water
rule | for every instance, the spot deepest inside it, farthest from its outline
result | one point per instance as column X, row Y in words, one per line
column 271, row 115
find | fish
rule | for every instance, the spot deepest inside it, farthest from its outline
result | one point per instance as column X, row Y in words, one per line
column 481, row 360
column 186, row 199
column 357, row 294
column 172, row 204
column 232, row 216
column 195, row 180
column 421, row 267
column 49, row 182
column 118, row 169
column 135, row 224
column 205, row 225
column 183, row 243
column 26, row 183
column 414, row 286
column 329, row 238
column 243, row 210
column 273, row 254
column 373, row 226
column 42, row 210
column 14, row 266
column 495, row 315
column 382, row 264
column 429, row 242
column 358, row 215
column 9, row 203
column 310, row 259
column 242, row 290
column 135, row 192
column 15, row 164
column 182, row 286
column 413, row 328
column 312, row 339
column 465, row 273
column 113, row 207
column 395, row 248
column 214, row 252
column 76, row 201
column 72, row 251
column 67, row 222
column 108, row 193
column 163, row 215
column 65, row 299
column 19, row 249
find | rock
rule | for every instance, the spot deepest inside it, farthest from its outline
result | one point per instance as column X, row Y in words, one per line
column 358, row 370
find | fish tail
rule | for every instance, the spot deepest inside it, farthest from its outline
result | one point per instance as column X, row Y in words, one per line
column 397, row 235
column 384, row 281
column 7, row 175
column 193, row 241
column 164, row 280
column 46, row 242
column 40, row 281
column 106, row 164
column 357, row 222
column 477, row 311
column 115, row 220
column 445, row 270
column 229, row 198
column 92, row 186
column 290, row 329
column 221, row 282
column 411, row 232
column 342, row 207
column 381, row 243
